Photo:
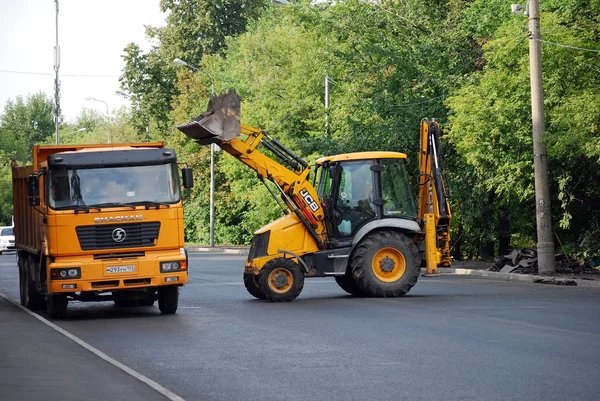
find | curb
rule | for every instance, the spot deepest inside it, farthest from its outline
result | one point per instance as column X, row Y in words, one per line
column 520, row 277
column 217, row 249
column 490, row 275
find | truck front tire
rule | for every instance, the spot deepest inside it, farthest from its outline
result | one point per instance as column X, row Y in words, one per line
column 168, row 300
column 56, row 306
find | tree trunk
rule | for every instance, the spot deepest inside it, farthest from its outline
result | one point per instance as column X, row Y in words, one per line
column 456, row 248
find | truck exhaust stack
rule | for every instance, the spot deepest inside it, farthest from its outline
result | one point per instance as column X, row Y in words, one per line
column 219, row 123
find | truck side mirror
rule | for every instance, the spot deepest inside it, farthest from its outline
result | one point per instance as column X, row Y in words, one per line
column 188, row 177
column 33, row 191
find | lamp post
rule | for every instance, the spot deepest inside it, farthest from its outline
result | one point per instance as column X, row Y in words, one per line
column 212, row 154
column 107, row 115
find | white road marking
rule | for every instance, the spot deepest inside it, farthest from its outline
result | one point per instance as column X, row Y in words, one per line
column 167, row 393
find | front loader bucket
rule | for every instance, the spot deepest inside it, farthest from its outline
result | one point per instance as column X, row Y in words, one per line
column 219, row 123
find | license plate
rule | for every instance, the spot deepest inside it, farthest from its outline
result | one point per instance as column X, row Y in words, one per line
column 120, row 269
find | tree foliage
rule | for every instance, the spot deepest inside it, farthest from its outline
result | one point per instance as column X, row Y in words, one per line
column 389, row 64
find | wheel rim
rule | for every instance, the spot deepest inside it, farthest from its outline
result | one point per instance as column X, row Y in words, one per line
column 281, row 280
column 388, row 264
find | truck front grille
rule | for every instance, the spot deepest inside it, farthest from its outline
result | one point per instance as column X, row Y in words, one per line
column 112, row 236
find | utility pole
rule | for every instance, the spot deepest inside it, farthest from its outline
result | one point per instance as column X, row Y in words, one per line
column 545, row 244
column 326, row 93
column 56, row 80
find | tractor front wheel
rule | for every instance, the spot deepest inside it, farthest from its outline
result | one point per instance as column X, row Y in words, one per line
column 252, row 285
column 281, row 280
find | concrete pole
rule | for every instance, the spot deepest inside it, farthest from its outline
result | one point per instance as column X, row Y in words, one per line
column 545, row 244
column 56, row 80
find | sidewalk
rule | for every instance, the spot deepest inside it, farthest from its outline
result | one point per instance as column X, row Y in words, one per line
column 39, row 363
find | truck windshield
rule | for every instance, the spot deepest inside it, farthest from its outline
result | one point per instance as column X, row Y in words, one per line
column 113, row 186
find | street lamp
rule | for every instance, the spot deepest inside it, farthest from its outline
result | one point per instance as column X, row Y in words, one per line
column 196, row 69
column 212, row 154
column 107, row 115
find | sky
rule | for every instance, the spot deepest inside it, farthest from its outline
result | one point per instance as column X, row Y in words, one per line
column 91, row 34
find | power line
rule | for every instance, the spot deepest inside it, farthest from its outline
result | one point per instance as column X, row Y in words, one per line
column 64, row 75
column 567, row 46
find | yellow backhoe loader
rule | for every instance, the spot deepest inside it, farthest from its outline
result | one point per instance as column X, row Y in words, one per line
column 356, row 221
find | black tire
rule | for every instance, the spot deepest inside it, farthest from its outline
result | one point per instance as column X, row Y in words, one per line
column 22, row 283
column 33, row 299
column 385, row 264
column 56, row 306
column 252, row 285
column 168, row 300
column 281, row 280
column 347, row 283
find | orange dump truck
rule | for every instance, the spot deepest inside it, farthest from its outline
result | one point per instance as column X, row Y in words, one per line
column 100, row 223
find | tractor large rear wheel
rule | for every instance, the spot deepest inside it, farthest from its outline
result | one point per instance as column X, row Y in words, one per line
column 281, row 280
column 385, row 264
column 252, row 285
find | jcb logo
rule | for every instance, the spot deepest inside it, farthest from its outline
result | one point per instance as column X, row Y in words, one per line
column 314, row 206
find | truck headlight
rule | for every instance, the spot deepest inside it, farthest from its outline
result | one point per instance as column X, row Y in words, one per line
column 168, row 267
column 65, row 274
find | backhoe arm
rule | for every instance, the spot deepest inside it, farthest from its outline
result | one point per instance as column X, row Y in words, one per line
column 433, row 208
column 220, row 124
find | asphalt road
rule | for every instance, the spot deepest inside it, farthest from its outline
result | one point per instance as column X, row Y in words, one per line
column 451, row 338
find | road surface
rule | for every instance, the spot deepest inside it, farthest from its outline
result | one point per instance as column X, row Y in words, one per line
column 451, row 338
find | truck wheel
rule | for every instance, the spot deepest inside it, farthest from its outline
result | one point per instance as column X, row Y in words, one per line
column 22, row 283
column 347, row 283
column 281, row 280
column 251, row 284
column 33, row 299
column 56, row 306
column 168, row 300
column 385, row 264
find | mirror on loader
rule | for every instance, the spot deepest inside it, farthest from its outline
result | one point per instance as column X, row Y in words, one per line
column 187, row 177
column 33, row 190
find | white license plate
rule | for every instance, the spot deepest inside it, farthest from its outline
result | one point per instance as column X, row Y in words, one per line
column 120, row 269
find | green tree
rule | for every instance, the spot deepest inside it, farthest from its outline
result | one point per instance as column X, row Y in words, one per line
column 25, row 122
column 194, row 28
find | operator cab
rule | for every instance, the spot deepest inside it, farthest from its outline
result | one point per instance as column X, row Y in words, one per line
column 357, row 188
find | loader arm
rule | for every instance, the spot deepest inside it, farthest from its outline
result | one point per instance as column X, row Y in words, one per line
column 220, row 124
column 433, row 208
